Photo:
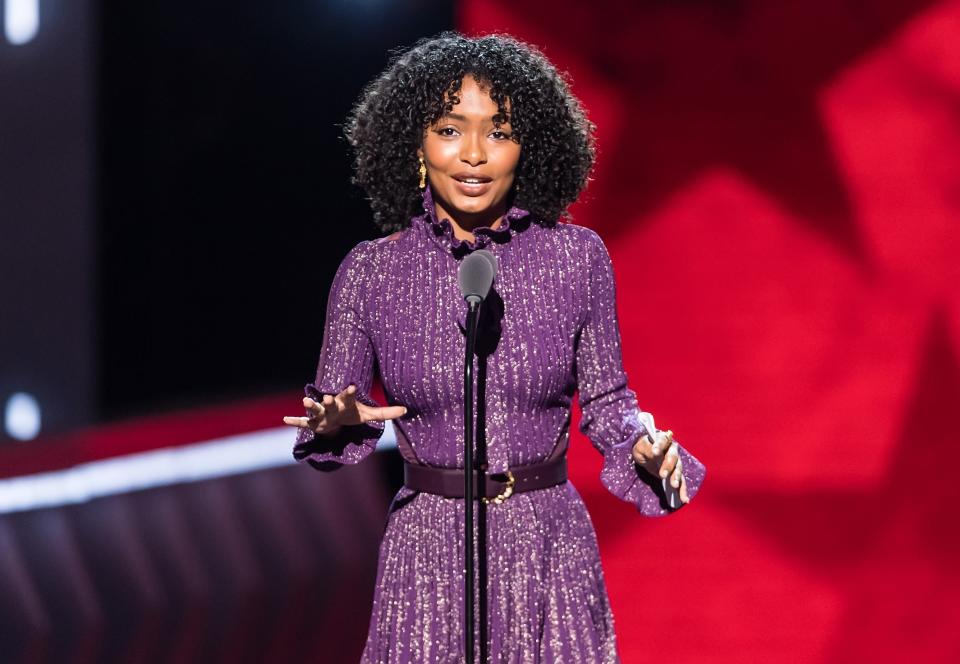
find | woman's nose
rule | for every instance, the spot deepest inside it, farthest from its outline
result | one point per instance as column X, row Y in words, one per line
column 472, row 151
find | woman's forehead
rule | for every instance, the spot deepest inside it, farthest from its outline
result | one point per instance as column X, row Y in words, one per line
column 473, row 100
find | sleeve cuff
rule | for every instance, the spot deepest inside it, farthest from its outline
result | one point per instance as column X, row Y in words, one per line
column 633, row 484
column 350, row 445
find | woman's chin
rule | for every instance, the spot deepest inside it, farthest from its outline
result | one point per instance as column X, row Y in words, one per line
column 482, row 210
column 473, row 205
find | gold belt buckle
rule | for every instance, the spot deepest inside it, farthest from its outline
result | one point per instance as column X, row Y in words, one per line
column 507, row 492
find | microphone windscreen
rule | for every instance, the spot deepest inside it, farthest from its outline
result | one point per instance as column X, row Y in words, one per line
column 490, row 257
column 475, row 275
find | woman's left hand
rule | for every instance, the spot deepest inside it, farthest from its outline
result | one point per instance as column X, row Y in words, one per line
column 662, row 459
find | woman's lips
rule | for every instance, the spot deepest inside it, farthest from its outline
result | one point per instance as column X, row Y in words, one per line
column 477, row 188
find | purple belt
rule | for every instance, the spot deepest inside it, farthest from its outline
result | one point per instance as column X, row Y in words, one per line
column 492, row 488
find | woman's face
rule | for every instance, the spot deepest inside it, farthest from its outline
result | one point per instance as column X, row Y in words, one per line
column 470, row 161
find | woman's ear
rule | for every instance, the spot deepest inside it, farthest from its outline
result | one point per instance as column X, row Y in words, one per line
column 419, row 153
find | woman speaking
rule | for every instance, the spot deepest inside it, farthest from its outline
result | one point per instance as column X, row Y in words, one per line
column 462, row 144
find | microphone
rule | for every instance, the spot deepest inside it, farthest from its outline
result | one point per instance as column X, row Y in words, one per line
column 490, row 257
column 673, row 495
column 476, row 275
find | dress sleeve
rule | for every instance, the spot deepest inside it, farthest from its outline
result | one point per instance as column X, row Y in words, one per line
column 346, row 357
column 610, row 415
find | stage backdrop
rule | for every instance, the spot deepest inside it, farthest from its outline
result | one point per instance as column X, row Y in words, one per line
column 779, row 186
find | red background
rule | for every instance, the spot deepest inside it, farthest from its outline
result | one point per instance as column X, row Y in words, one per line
column 778, row 185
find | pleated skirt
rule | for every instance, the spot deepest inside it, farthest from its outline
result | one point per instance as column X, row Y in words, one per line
column 545, row 596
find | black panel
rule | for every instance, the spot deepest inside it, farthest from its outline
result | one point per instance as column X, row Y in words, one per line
column 225, row 197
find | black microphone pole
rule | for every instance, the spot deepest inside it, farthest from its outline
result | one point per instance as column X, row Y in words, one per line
column 475, row 278
column 473, row 315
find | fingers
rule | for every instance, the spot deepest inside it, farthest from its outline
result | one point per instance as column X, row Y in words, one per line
column 314, row 407
column 297, row 421
column 676, row 477
column 340, row 409
column 642, row 450
column 381, row 413
column 663, row 442
column 670, row 460
column 365, row 413
column 662, row 457
column 319, row 416
column 349, row 395
column 684, row 496
column 331, row 411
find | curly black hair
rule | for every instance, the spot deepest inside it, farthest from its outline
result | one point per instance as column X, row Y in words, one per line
column 420, row 85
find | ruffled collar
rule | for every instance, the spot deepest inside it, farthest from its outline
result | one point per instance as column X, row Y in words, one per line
column 440, row 231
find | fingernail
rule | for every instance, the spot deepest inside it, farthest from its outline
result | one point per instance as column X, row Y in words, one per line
column 663, row 473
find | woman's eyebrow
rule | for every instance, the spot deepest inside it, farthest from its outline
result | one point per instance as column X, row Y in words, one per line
column 463, row 118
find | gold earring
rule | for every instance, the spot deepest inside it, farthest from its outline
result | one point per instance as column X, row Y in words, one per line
column 423, row 174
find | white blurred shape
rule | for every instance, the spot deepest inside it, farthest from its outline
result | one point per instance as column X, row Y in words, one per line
column 388, row 440
column 21, row 415
column 233, row 455
column 145, row 470
column 21, row 20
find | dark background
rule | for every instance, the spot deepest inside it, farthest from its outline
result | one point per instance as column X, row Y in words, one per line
column 48, row 217
column 175, row 197
column 224, row 199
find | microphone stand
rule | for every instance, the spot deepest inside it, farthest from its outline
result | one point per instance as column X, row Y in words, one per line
column 473, row 315
column 475, row 277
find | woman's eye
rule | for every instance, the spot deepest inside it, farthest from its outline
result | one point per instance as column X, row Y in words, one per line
column 499, row 135
column 447, row 131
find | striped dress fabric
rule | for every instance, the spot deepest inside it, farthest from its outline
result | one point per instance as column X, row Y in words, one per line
column 548, row 331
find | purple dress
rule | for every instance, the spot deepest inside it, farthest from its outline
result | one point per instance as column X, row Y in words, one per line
column 550, row 330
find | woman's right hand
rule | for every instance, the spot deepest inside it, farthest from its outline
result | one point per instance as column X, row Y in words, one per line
column 327, row 416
